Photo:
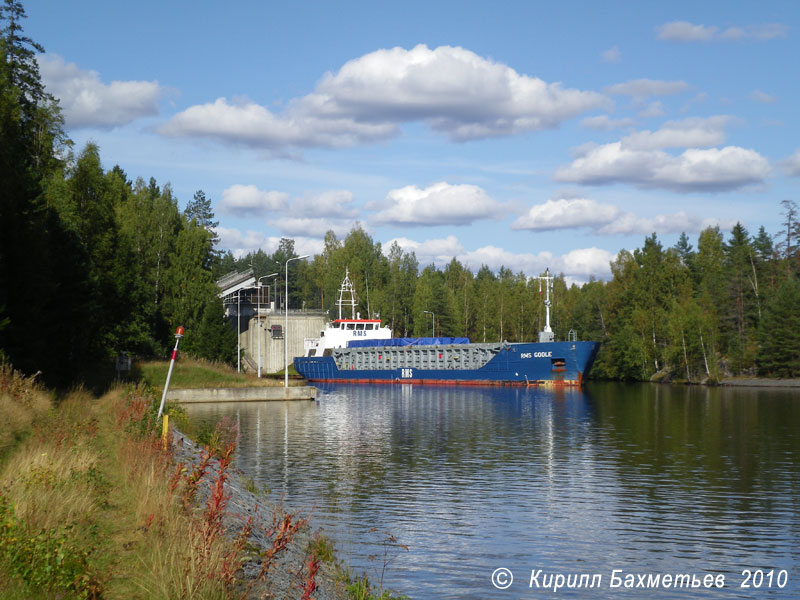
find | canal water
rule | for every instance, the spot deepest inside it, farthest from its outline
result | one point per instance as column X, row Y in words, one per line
column 615, row 480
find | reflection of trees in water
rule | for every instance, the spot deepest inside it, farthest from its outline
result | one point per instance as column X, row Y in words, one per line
column 663, row 447
column 680, row 471
column 713, row 463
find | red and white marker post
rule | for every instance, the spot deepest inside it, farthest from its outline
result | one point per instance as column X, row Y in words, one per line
column 178, row 336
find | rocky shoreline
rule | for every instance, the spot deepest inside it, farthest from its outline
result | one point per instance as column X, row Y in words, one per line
column 288, row 572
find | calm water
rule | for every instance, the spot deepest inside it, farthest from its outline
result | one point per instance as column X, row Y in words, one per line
column 643, row 478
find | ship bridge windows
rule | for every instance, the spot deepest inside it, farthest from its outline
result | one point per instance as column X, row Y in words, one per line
column 360, row 326
column 351, row 326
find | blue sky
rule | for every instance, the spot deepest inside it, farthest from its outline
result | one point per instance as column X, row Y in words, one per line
column 521, row 134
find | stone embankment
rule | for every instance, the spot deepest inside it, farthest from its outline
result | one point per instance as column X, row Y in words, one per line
column 252, row 394
column 288, row 572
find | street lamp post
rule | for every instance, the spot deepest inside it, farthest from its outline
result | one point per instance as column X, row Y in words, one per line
column 433, row 320
column 258, row 317
column 286, row 324
column 239, row 331
column 239, row 327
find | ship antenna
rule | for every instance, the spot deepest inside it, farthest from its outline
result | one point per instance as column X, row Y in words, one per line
column 546, row 335
column 347, row 289
column 548, row 286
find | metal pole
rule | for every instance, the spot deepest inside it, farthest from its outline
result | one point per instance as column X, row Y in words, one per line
column 286, row 325
column 238, row 331
column 178, row 336
column 433, row 321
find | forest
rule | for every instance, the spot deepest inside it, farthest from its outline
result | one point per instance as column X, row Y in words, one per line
column 93, row 263
column 729, row 307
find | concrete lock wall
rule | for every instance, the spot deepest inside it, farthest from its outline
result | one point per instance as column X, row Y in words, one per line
column 302, row 325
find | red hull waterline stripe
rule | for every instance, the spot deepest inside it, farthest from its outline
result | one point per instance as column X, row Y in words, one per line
column 544, row 383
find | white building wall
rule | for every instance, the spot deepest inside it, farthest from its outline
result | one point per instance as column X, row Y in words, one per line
column 302, row 325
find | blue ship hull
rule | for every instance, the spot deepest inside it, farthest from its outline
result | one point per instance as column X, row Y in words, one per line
column 547, row 363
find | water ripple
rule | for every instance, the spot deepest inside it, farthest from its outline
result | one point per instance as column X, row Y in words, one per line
column 640, row 478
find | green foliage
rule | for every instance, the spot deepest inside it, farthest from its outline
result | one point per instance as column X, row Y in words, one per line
column 214, row 339
column 47, row 560
column 362, row 589
column 779, row 335
column 215, row 438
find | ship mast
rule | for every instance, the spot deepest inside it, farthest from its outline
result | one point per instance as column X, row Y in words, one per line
column 546, row 334
column 346, row 290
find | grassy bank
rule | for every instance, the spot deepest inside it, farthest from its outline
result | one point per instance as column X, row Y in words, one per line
column 92, row 505
column 89, row 508
column 192, row 373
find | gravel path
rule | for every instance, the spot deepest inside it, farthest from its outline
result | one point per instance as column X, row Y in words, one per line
column 288, row 573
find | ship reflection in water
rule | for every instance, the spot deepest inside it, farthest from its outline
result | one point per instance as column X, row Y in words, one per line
column 642, row 478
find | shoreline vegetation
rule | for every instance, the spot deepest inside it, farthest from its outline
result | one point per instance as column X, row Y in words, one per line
column 197, row 373
column 94, row 504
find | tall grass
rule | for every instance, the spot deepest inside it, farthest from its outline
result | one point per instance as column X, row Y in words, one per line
column 192, row 373
column 22, row 402
column 52, row 493
column 174, row 556
column 92, row 505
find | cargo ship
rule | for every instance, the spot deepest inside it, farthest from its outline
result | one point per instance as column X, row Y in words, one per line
column 356, row 350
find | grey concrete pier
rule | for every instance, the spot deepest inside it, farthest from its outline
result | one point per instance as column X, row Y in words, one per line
column 253, row 394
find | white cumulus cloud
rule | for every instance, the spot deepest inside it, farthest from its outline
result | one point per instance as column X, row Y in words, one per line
column 314, row 227
column 251, row 124
column 640, row 159
column 577, row 265
column 453, row 90
column 309, row 216
column 338, row 204
column 628, row 223
column 607, row 219
column 791, row 166
column 680, row 134
column 241, row 243
column 439, row 251
column 438, row 204
column 88, row 102
column 248, row 200
column 566, row 213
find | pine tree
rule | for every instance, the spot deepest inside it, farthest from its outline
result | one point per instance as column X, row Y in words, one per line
column 779, row 335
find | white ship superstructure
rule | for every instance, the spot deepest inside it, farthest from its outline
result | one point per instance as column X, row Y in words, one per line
column 341, row 331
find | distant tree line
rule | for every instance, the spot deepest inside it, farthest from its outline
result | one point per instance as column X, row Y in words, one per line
column 92, row 264
column 729, row 307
